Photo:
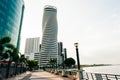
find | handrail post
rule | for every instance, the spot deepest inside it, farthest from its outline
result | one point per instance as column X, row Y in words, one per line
column 92, row 76
column 106, row 76
column 116, row 77
column 87, row 75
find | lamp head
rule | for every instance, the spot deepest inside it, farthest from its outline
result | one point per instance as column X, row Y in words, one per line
column 76, row 44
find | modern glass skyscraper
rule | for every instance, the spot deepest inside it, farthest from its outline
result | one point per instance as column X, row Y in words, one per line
column 11, row 15
column 49, row 48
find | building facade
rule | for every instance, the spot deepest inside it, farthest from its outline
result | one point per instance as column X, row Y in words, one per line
column 65, row 53
column 32, row 49
column 32, row 45
column 11, row 16
column 49, row 46
column 60, row 53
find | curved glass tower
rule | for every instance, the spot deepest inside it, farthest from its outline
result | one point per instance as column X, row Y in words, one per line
column 49, row 48
column 11, row 14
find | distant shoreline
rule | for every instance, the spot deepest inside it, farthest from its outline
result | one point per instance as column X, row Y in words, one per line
column 95, row 65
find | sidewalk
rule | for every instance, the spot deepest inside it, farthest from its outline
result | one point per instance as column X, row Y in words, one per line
column 39, row 75
column 23, row 76
column 43, row 75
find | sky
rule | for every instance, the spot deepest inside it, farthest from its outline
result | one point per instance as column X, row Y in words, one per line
column 94, row 24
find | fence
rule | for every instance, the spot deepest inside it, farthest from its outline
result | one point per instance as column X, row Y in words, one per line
column 13, row 70
column 100, row 76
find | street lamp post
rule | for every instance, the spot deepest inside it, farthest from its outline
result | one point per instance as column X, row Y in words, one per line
column 78, row 62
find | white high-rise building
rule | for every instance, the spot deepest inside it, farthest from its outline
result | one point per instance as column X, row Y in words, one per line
column 49, row 48
column 32, row 45
column 32, row 48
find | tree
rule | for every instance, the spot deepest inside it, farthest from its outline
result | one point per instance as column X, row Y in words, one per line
column 32, row 64
column 4, row 43
column 23, row 59
column 53, row 61
column 8, row 51
column 15, row 55
column 69, row 62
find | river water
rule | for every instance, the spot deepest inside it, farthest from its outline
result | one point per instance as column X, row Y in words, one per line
column 115, row 69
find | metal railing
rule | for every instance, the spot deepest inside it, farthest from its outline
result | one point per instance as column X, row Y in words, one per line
column 86, row 75
column 100, row 76
column 13, row 70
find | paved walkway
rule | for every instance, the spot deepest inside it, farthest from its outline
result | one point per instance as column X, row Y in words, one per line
column 21, row 76
column 42, row 75
column 39, row 75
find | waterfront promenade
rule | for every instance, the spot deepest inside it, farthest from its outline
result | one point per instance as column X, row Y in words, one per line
column 39, row 75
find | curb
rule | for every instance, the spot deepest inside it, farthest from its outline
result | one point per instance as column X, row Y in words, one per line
column 26, row 77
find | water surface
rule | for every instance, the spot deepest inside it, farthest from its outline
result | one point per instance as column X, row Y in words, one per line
column 104, row 69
